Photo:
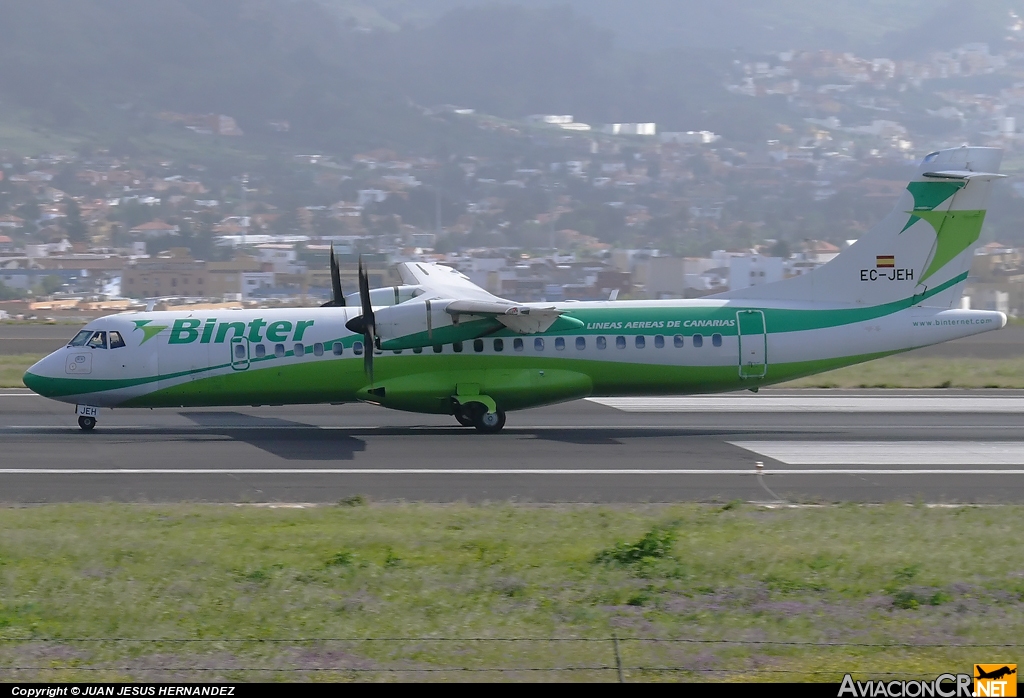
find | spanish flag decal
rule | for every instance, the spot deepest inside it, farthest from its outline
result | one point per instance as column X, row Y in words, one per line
column 885, row 261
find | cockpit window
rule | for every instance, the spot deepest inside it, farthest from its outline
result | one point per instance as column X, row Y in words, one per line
column 80, row 339
column 115, row 340
column 98, row 341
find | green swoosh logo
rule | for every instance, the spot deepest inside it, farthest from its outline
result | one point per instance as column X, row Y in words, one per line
column 148, row 331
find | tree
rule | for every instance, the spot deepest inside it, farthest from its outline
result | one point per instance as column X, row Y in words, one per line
column 9, row 294
column 50, row 285
column 74, row 226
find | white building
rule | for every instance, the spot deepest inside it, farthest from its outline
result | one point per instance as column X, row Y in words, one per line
column 630, row 129
column 689, row 137
column 552, row 119
column 371, row 196
column 281, row 257
column 253, row 281
column 754, row 270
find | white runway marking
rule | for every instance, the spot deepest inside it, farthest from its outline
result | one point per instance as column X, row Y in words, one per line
column 898, row 453
column 478, row 471
column 823, row 403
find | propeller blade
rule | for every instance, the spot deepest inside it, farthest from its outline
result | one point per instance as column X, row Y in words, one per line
column 368, row 356
column 337, row 294
column 365, row 322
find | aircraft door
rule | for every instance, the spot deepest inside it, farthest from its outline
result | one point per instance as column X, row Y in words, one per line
column 753, row 343
column 239, row 353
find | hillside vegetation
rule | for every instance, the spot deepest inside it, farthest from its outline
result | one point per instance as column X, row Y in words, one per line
column 354, row 74
column 888, row 26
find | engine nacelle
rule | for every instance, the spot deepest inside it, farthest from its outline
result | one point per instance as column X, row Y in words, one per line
column 389, row 295
column 422, row 324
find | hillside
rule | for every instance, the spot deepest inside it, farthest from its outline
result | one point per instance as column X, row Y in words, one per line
column 865, row 26
column 106, row 67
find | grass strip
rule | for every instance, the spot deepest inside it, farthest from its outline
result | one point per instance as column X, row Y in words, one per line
column 925, row 372
column 13, row 367
column 508, row 592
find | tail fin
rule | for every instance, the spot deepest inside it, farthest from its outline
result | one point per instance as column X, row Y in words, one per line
column 921, row 251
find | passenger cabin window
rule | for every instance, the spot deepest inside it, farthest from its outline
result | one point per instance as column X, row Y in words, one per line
column 457, row 347
column 261, row 351
column 538, row 344
column 698, row 340
column 357, row 348
column 318, row 349
column 478, row 345
column 517, row 344
column 239, row 351
column 80, row 339
column 620, row 342
column 641, row 341
column 338, row 348
column 499, row 345
column 601, row 342
column 438, row 348
column 716, row 340
column 98, row 341
column 560, row 343
column 115, row 340
column 581, row 343
column 300, row 350
column 659, row 342
column 417, row 350
column 678, row 341
column 279, row 350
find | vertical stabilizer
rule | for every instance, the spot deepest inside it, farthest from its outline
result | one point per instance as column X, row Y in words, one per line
column 920, row 251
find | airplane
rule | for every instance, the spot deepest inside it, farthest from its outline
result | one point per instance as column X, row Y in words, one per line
column 995, row 674
column 439, row 344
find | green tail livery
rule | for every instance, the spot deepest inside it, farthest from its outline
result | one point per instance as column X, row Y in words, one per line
column 439, row 344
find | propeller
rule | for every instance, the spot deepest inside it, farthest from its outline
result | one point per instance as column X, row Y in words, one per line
column 365, row 324
column 337, row 295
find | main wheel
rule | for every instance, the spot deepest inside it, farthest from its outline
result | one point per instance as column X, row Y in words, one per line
column 462, row 418
column 489, row 422
column 87, row 423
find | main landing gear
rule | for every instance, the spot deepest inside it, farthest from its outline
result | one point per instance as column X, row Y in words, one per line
column 476, row 415
column 87, row 423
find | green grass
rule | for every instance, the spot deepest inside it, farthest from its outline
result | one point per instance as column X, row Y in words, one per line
column 13, row 367
column 241, row 578
column 930, row 372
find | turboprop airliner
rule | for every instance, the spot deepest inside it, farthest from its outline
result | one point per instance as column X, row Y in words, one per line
column 440, row 344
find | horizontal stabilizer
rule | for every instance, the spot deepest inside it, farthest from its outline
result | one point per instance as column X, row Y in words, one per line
column 964, row 175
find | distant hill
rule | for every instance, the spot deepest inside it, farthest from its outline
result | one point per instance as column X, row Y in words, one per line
column 103, row 67
column 753, row 25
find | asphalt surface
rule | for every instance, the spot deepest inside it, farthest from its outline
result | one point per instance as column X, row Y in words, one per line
column 18, row 338
column 814, row 446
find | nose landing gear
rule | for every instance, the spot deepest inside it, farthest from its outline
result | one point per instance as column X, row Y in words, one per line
column 87, row 416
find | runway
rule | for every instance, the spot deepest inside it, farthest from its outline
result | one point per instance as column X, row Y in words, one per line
column 813, row 447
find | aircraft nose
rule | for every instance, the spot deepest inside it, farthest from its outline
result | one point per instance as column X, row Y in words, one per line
column 41, row 376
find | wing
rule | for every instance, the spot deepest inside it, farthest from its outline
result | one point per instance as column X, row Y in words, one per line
column 451, row 308
column 439, row 281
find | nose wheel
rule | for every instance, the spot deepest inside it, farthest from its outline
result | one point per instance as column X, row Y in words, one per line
column 87, row 423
